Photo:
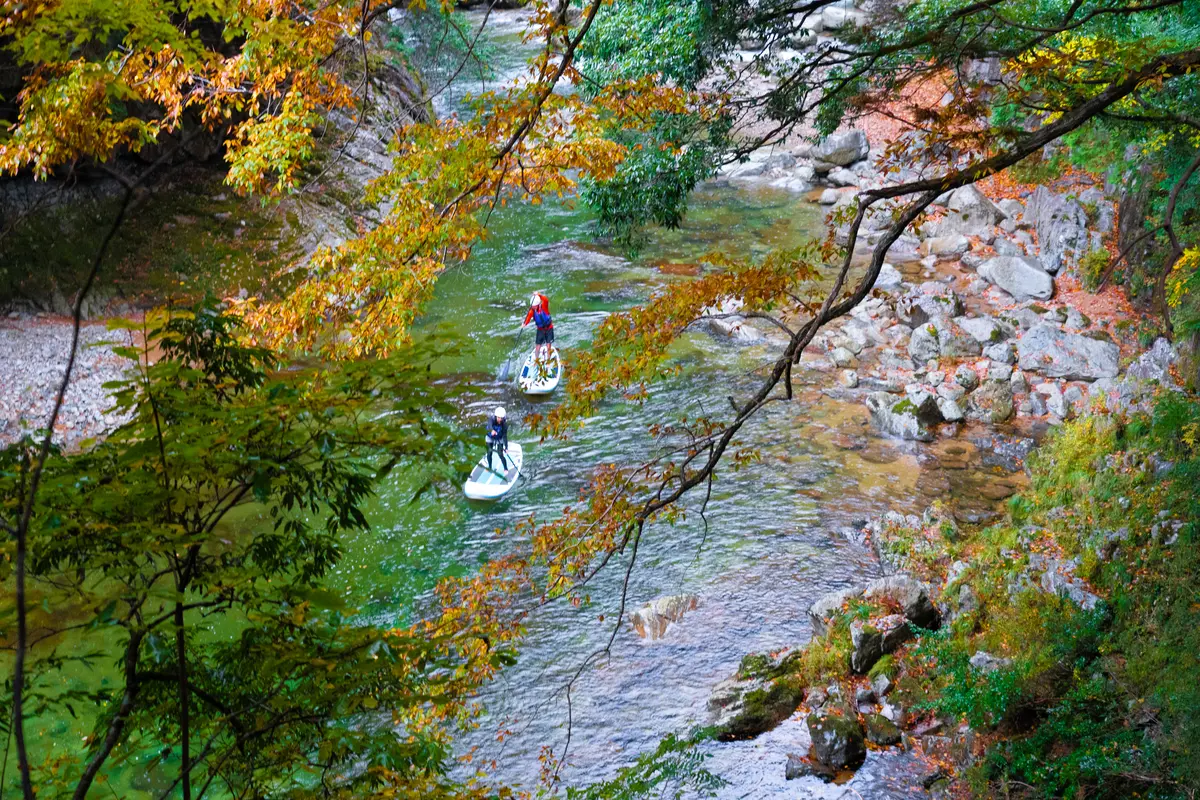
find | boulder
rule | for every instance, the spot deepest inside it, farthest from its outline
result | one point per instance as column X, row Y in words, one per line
column 1004, row 247
column 829, row 605
column 910, row 594
column 965, row 376
column 837, row 740
column 954, row 341
column 900, row 417
column 875, row 638
column 1052, row 352
column 946, row 248
column 841, row 357
column 927, row 302
column 1021, row 277
column 902, row 590
column 743, row 708
column 881, row 730
column 985, row 330
column 840, row 176
column 1059, row 581
column 1012, row 209
column 998, row 371
column 986, row 662
column 923, row 344
column 867, row 644
column 829, row 197
column 991, row 402
column 841, row 149
column 970, row 213
column 836, row 18
column 1154, row 365
column 1061, row 224
column 952, row 390
column 652, row 620
column 950, row 410
column 889, row 278
column 1001, row 352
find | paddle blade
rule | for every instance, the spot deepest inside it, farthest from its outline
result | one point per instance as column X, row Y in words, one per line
column 505, row 369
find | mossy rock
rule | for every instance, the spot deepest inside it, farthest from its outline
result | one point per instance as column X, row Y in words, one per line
column 837, row 740
column 884, row 666
column 762, row 709
column 757, row 666
column 910, row 692
column 881, row 730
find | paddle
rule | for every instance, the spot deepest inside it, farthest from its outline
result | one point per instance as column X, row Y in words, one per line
column 507, row 366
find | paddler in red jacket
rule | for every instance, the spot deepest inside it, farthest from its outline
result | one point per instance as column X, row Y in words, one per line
column 539, row 315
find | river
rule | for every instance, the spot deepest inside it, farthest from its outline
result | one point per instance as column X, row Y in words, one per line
column 774, row 542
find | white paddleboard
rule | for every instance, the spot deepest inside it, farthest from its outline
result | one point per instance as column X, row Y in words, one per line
column 485, row 484
column 540, row 377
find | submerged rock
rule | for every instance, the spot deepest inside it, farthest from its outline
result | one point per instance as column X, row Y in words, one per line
column 652, row 620
column 900, row 417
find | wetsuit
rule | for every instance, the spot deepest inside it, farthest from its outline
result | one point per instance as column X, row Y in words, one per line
column 497, row 440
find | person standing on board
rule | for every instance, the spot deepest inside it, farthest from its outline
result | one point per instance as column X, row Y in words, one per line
column 497, row 436
column 539, row 315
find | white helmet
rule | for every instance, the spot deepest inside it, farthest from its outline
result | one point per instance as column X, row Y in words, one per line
column 500, row 412
column 535, row 300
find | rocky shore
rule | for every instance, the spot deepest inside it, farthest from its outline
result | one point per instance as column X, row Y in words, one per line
column 979, row 317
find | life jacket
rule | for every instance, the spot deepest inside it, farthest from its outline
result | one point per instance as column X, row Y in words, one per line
column 542, row 320
column 497, row 428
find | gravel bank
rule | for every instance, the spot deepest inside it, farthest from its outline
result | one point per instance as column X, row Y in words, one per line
column 33, row 357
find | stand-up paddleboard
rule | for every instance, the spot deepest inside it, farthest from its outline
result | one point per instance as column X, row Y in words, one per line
column 489, row 484
column 540, row 377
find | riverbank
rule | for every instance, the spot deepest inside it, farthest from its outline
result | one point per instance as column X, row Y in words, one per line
column 982, row 317
column 35, row 348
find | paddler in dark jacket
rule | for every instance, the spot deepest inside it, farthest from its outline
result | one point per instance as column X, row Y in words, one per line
column 497, row 436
